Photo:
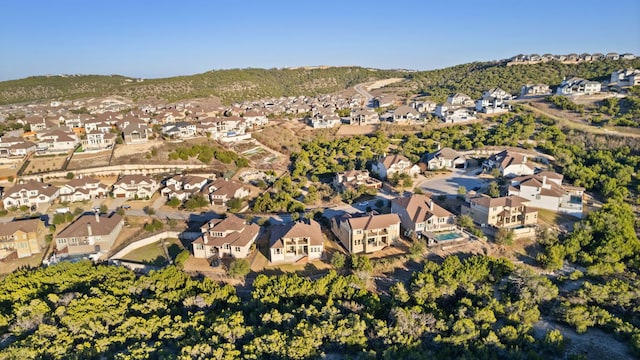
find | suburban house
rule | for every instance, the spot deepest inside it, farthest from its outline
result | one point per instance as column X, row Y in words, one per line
column 97, row 140
column 136, row 133
column 290, row 243
column 394, row 164
column 459, row 99
column 578, row 86
column 24, row 237
column 222, row 190
column 366, row 233
column 446, row 158
column 503, row 212
column 36, row 123
column 89, row 234
column 30, row 193
column 83, row 189
column 225, row 129
column 11, row 146
column 493, row 101
column 405, row 114
column 179, row 130
column 535, row 89
column 231, row 236
column 510, row 164
column 425, row 106
column 324, row 120
column 135, row 187
column 419, row 214
column 254, row 118
column 354, row 179
column 363, row 117
column 545, row 191
column 182, row 187
column 56, row 141
column 625, row 77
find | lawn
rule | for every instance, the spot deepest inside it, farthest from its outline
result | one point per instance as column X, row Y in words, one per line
column 555, row 219
column 154, row 254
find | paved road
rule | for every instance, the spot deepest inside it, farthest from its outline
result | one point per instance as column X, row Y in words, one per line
column 449, row 185
column 362, row 90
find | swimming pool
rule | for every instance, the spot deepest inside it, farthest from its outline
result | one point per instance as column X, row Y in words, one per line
column 448, row 236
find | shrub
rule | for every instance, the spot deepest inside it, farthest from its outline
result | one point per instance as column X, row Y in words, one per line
column 239, row 268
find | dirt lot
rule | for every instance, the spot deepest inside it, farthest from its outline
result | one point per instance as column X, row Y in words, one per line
column 48, row 163
column 84, row 160
column 346, row 130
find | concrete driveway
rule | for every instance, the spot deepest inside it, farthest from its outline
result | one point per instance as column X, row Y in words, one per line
column 450, row 184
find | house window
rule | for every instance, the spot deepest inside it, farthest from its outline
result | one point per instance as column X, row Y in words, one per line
column 226, row 246
column 357, row 242
column 277, row 251
column 237, row 249
column 199, row 247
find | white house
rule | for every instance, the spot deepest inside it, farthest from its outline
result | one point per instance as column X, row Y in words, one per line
column 135, row 187
column 510, row 164
column 83, row 189
column 183, row 187
column 405, row 114
column 420, row 214
column 535, row 89
column 394, row 164
column 222, row 190
column 578, row 86
column 30, row 193
column 545, row 191
column 446, row 158
column 625, row 77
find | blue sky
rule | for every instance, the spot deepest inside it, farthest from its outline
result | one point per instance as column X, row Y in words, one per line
column 142, row 38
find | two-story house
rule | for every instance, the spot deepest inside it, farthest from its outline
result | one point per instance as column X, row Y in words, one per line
column 420, row 214
column 545, row 191
column 180, row 130
column 509, row 164
column 222, row 190
column 182, row 187
column 83, row 189
column 405, row 114
column 136, row 133
column 503, row 212
column 578, row 86
column 290, row 243
column 366, row 233
column 97, row 140
column 363, row 116
column 135, row 187
column 389, row 165
column 535, row 89
column 25, row 237
column 30, row 193
column 231, row 236
column 89, row 234
column 56, row 141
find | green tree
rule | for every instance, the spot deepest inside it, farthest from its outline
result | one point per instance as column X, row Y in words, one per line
column 174, row 202
column 239, row 268
column 338, row 260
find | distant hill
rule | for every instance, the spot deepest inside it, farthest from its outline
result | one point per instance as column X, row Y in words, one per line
column 229, row 85
column 473, row 78
column 246, row 84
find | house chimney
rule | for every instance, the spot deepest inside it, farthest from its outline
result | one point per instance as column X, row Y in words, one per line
column 544, row 180
column 431, row 204
column 97, row 217
column 89, row 232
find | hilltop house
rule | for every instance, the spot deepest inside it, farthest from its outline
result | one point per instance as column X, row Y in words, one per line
column 179, row 130
column 89, row 234
column 30, row 193
column 254, row 118
column 135, row 187
column 503, row 212
column 389, row 165
column 457, row 108
column 446, row 158
column 290, row 243
column 545, row 191
column 364, row 233
column 222, row 190
column 324, row 120
column 363, row 117
column 535, row 89
column 83, row 189
column 625, row 77
column 231, row 236
column 421, row 215
column 183, row 187
column 405, row 114
column 578, row 86
column 24, row 237
column 509, row 164
column 493, row 101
